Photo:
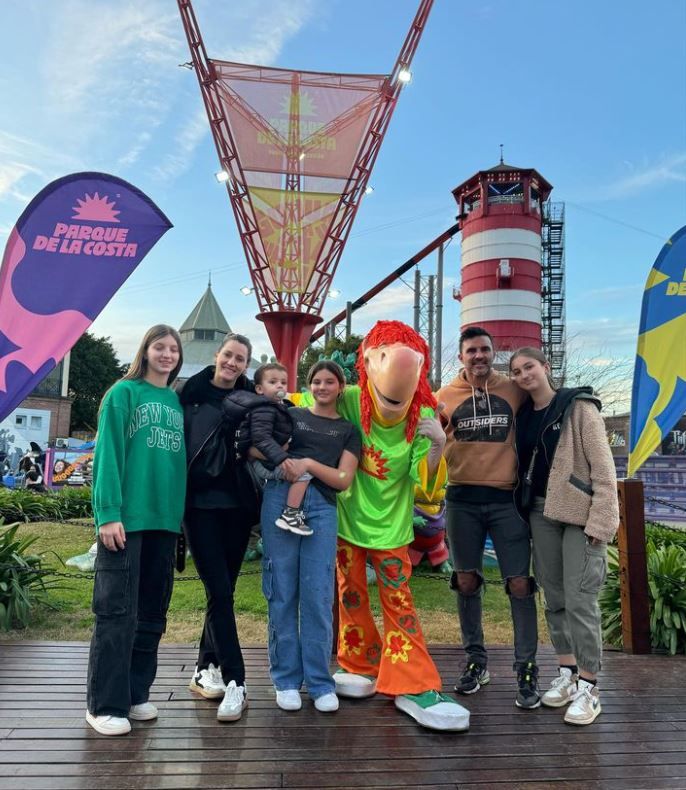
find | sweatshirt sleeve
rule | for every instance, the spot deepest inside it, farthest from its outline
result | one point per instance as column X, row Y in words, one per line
column 109, row 461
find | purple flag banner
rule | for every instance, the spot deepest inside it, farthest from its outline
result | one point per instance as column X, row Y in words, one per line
column 72, row 248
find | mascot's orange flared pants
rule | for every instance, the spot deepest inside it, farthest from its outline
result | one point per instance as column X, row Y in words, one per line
column 400, row 661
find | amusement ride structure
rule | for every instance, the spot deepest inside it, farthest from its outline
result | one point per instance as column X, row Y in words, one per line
column 296, row 149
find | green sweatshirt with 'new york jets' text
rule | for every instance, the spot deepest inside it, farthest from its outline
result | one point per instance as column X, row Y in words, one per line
column 139, row 470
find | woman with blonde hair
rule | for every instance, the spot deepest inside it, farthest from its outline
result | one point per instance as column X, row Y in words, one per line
column 139, row 481
column 568, row 488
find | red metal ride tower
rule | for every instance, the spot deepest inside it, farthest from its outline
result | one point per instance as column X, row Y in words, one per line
column 501, row 213
column 297, row 148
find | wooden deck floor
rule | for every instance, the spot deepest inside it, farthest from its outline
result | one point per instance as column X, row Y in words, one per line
column 639, row 741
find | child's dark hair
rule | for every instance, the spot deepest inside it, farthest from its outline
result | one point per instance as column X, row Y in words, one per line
column 259, row 373
column 326, row 364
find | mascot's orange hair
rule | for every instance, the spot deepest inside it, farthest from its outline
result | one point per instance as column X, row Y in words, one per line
column 385, row 333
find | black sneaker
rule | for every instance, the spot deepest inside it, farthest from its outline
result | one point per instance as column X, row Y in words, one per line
column 527, row 693
column 473, row 678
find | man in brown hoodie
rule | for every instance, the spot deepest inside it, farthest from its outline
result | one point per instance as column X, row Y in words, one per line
column 480, row 408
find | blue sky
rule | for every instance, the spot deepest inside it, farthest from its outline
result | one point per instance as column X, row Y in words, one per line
column 591, row 94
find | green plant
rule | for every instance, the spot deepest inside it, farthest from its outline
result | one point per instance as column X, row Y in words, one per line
column 662, row 536
column 22, row 583
column 666, row 565
column 22, row 505
column 667, row 584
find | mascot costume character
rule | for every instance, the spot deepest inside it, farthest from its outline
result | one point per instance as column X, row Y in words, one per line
column 402, row 444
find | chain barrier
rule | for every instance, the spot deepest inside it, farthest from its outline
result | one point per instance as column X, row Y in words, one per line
column 673, row 505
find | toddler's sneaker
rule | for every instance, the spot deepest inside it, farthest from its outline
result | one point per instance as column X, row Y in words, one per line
column 294, row 521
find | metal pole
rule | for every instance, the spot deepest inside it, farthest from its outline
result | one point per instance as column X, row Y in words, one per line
column 417, row 297
column 430, row 328
column 438, row 350
column 348, row 320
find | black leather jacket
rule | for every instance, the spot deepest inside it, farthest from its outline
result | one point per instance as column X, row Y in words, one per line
column 202, row 416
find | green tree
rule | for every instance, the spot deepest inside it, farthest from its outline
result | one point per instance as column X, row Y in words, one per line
column 313, row 354
column 94, row 368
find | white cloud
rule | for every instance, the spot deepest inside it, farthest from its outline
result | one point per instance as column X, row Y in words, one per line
column 669, row 169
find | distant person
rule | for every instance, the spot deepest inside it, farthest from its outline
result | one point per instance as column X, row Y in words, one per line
column 568, row 485
column 481, row 405
column 33, row 474
column 139, row 481
column 221, row 509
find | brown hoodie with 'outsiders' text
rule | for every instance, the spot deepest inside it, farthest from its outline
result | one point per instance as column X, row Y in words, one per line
column 479, row 424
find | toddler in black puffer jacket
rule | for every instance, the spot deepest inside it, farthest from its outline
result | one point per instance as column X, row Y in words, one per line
column 266, row 425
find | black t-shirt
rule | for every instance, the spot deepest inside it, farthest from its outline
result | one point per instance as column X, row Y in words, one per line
column 537, row 429
column 323, row 439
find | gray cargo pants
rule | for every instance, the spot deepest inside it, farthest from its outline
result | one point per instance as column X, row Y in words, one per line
column 571, row 572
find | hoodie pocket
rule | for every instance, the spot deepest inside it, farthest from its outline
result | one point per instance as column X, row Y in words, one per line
column 577, row 483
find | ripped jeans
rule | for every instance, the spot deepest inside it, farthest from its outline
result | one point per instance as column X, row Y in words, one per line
column 467, row 526
column 298, row 583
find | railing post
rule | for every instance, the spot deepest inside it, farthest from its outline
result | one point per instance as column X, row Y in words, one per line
column 633, row 570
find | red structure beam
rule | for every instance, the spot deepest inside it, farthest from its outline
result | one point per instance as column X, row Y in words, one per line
column 391, row 278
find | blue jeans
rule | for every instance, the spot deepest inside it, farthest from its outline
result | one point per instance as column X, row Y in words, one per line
column 298, row 583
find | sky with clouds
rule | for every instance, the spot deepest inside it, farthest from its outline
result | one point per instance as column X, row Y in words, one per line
column 591, row 94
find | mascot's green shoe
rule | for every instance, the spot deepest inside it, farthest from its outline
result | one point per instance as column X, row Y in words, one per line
column 434, row 710
column 349, row 684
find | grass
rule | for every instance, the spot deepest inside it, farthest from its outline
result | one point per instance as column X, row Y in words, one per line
column 71, row 618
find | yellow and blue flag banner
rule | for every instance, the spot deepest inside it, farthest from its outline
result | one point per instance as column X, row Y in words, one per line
column 658, row 397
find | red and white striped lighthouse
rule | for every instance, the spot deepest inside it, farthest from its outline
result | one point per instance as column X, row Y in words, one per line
column 501, row 211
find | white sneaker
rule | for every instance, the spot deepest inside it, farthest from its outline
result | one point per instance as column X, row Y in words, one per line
column 146, row 711
column 562, row 689
column 289, row 699
column 585, row 707
column 327, row 703
column 109, row 725
column 208, row 683
column 234, row 703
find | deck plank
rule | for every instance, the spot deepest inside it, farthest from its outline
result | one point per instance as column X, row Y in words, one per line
column 638, row 742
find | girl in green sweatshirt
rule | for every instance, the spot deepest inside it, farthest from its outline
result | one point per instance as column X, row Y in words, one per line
column 139, row 484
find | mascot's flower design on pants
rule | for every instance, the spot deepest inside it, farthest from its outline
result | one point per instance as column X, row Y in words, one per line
column 402, row 444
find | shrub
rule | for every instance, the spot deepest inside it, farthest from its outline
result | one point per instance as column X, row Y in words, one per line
column 22, row 505
column 667, row 592
column 661, row 536
column 22, row 586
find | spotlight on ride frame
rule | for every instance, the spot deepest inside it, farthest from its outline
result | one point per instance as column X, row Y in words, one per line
column 222, row 176
column 368, row 190
column 246, row 290
column 334, row 292
column 404, row 75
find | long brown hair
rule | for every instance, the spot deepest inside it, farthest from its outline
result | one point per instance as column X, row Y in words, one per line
column 533, row 353
column 139, row 367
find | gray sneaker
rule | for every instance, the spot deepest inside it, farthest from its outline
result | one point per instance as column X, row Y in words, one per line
column 562, row 689
column 473, row 678
column 585, row 707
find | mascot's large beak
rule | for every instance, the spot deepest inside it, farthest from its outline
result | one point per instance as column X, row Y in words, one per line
column 393, row 372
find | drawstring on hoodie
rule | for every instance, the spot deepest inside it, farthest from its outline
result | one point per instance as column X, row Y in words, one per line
column 490, row 411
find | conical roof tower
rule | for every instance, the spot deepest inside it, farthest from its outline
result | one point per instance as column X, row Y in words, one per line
column 201, row 333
